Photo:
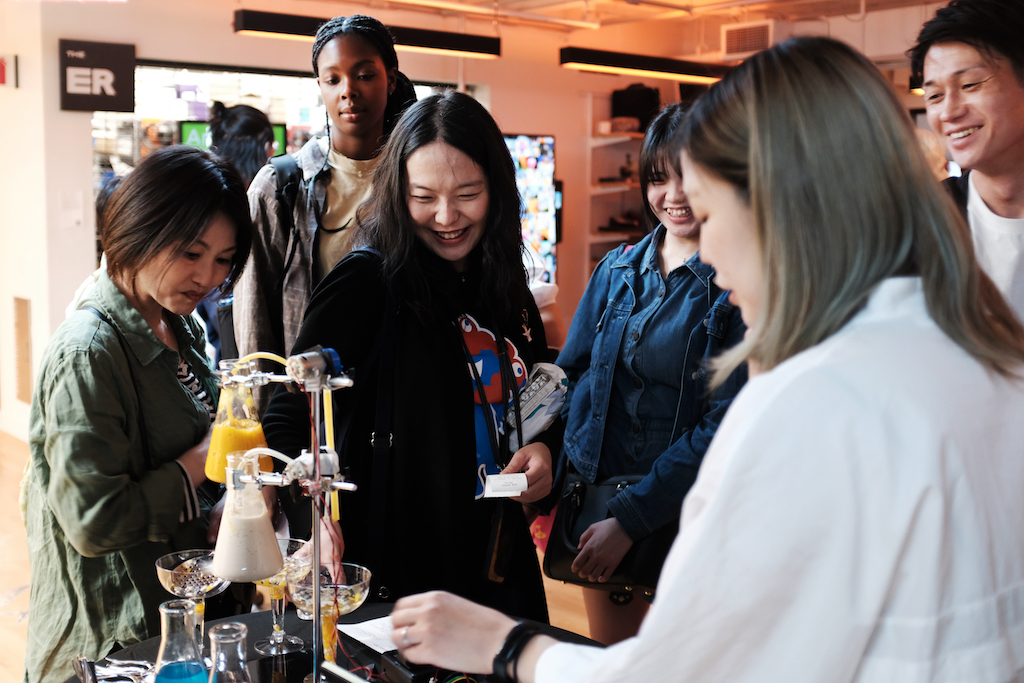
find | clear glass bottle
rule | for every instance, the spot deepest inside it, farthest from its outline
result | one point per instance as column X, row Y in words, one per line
column 227, row 649
column 237, row 426
column 247, row 548
column 178, row 660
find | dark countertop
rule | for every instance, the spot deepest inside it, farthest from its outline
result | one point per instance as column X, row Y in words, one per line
column 292, row 668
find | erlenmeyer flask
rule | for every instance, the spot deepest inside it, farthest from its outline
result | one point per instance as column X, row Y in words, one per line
column 237, row 426
column 247, row 548
column 227, row 649
column 178, row 659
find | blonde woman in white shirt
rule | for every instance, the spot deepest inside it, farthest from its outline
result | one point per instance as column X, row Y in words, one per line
column 859, row 514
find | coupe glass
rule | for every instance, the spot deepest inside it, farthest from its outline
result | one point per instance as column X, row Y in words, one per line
column 187, row 574
column 298, row 557
column 338, row 595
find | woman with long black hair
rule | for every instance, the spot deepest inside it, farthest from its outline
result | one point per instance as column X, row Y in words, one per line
column 436, row 319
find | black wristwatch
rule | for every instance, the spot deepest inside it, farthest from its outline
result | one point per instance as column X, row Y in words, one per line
column 506, row 663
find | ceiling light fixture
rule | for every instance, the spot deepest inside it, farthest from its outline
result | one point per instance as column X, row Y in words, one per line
column 296, row 27
column 916, row 84
column 602, row 61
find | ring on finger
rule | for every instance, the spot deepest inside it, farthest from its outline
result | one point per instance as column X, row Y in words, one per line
column 405, row 637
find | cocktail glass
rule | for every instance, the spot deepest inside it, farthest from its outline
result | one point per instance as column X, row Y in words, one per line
column 298, row 557
column 187, row 574
column 338, row 595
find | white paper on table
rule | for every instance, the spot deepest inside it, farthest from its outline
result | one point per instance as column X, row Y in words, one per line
column 374, row 634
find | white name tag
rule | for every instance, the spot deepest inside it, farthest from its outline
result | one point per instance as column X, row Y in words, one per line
column 504, row 485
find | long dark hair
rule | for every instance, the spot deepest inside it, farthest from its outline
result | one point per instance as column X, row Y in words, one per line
column 384, row 222
column 377, row 34
column 660, row 149
column 170, row 199
column 241, row 134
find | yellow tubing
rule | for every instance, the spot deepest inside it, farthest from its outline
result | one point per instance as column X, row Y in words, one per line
column 264, row 355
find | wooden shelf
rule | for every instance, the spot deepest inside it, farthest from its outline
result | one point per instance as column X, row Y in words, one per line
column 613, row 188
column 602, row 154
column 613, row 139
column 617, row 237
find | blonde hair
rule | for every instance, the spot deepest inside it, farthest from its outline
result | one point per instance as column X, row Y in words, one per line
column 783, row 128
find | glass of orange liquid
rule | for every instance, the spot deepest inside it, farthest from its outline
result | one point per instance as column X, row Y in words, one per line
column 237, row 426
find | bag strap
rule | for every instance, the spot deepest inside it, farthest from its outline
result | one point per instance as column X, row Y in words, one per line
column 142, row 420
column 289, row 178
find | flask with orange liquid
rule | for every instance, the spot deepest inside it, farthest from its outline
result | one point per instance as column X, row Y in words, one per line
column 237, row 426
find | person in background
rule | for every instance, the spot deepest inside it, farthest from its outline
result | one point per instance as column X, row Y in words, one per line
column 244, row 136
column 637, row 359
column 858, row 516
column 121, row 413
column 545, row 295
column 440, row 283
column 356, row 67
column 971, row 57
column 933, row 153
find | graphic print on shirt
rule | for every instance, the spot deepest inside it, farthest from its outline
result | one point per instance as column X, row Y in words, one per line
column 483, row 347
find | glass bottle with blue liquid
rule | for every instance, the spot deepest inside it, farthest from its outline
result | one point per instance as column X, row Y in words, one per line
column 178, row 660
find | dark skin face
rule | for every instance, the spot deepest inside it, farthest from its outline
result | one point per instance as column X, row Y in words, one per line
column 355, row 85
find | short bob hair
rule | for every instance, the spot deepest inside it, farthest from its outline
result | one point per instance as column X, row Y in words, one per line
column 385, row 224
column 168, row 201
column 992, row 27
column 378, row 35
column 660, row 151
column 781, row 129
column 241, row 134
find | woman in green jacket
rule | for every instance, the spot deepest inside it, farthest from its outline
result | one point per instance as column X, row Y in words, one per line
column 122, row 410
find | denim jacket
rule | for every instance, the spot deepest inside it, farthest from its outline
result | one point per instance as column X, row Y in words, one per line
column 589, row 359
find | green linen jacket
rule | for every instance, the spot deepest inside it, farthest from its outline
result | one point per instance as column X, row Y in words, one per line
column 97, row 517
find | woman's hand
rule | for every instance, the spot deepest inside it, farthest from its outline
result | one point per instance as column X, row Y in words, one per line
column 216, row 515
column 332, row 545
column 602, row 548
column 448, row 631
column 194, row 460
column 534, row 460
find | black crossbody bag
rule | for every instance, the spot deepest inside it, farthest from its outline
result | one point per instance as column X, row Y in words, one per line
column 581, row 504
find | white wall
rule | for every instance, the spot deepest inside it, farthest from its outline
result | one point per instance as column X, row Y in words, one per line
column 24, row 203
column 47, row 248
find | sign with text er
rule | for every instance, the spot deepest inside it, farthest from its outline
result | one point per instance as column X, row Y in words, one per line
column 97, row 76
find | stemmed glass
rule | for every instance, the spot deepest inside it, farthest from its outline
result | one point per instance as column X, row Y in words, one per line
column 338, row 596
column 298, row 557
column 187, row 574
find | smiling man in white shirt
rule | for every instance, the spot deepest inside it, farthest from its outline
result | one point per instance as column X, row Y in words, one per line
column 971, row 57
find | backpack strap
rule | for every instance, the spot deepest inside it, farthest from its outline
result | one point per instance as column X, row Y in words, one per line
column 142, row 421
column 289, row 178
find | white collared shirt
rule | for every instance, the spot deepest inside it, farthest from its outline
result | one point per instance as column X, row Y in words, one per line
column 858, row 517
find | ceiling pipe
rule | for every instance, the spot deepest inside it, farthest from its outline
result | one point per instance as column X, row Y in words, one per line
column 500, row 14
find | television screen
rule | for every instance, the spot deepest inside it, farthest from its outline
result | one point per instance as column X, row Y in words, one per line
column 197, row 134
column 534, row 158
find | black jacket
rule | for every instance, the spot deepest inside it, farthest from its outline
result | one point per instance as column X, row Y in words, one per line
column 435, row 535
column 958, row 189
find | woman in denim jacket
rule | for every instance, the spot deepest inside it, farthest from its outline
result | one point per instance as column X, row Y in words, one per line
column 637, row 358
